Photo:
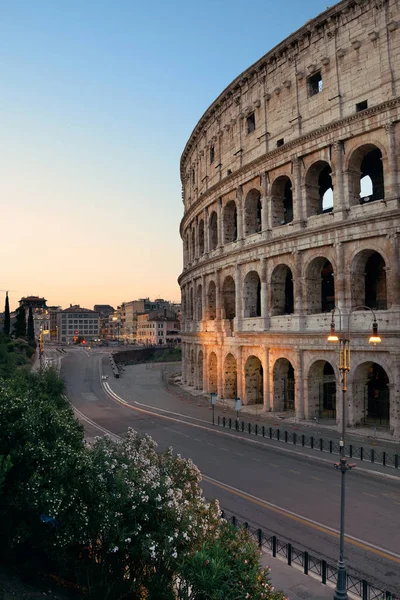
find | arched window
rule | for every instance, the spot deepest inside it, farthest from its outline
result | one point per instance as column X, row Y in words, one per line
column 230, row 222
column 211, row 301
column 213, row 230
column 252, row 213
column 319, row 188
column 320, row 286
column 254, row 381
column 213, row 373
column 321, row 390
column 201, row 237
column 366, row 177
column 229, row 298
column 284, row 390
column 252, row 295
column 368, row 280
column 371, row 393
column 282, row 201
column 199, row 312
column 230, row 377
column 282, row 299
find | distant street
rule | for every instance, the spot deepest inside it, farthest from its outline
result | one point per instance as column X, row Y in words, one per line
column 258, row 482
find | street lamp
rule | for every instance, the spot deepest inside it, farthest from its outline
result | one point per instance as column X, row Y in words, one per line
column 344, row 366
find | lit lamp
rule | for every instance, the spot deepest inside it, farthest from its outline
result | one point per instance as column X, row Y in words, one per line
column 342, row 465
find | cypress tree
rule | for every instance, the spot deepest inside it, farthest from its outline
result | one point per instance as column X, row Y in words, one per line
column 7, row 316
column 30, row 335
column 20, row 323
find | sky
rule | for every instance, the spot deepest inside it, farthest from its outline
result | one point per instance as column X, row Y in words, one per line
column 97, row 102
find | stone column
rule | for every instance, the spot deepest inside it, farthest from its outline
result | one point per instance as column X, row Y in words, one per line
column 219, row 213
column 340, row 277
column 206, row 233
column 266, row 390
column 239, row 208
column 218, row 297
column 394, row 271
column 299, row 213
column 238, row 299
column 196, row 240
column 239, row 368
column 264, row 292
column 203, row 298
column 338, row 186
column 299, row 386
column 298, row 290
column 205, row 370
column 391, row 176
column 265, row 206
column 220, row 377
column 395, row 397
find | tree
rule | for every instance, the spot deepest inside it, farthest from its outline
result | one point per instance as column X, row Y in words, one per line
column 7, row 316
column 20, row 323
column 30, row 336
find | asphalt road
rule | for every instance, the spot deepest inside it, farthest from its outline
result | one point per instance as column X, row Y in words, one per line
column 293, row 496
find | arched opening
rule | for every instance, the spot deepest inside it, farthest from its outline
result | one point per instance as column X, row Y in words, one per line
column 282, row 299
column 282, row 201
column 201, row 237
column 229, row 298
column 366, row 177
column 371, row 394
column 212, row 301
column 252, row 295
column 230, row 379
column 192, row 368
column 252, row 212
column 319, row 188
column 368, row 280
column 230, row 222
column 283, row 375
column 187, row 246
column 199, row 311
column 320, row 286
column 321, row 391
column 213, row 373
column 213, row 230
column 200, row 370
column 193, row 243
column 191, row 304
column 254, row 376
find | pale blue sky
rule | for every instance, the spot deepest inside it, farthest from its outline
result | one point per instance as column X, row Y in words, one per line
column 97, row 102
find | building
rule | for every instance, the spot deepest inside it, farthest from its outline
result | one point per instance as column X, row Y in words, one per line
column 77, row 323
column 104, row 311
column 53, row 315
column 291, row 192
column 41, row 315
column 128, row 315
column 158, row 327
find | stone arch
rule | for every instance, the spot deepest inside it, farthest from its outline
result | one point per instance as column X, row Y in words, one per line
column 321, row 390
column 371, row 395
column 252, row 295
column 254, row 377
column 200, row 359
column 252, row 212
column 201, row 237
column 199, row 303
column 230, row 222
column 282, row 298
column 230, row 377
column 368, row 280
column 212, row 300
column 229, row 298
column 281, row 201
column 212, row 373
column 213, row 230
column 320, row 286
column 283, row 385
column 319, row 188
column 366, row 175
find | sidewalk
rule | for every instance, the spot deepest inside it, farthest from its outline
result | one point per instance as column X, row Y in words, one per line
column 293, row 583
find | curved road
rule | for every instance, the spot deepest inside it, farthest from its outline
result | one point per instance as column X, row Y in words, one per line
column 289, row 494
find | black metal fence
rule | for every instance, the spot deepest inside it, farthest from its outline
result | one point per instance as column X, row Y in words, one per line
column 371, row 455
column 309, row 564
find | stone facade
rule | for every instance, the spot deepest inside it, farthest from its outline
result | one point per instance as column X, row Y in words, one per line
column 291, row 207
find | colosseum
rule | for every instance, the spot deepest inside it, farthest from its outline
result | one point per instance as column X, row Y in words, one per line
column 291, row 209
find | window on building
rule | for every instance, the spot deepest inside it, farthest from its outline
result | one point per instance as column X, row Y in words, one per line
column 280, row 142
column 251, row 122
column 314, row 83
column 193, row 177
column 212, row 154
column 361, row 105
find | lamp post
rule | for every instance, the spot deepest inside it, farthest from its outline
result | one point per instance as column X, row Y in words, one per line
column 342, row 465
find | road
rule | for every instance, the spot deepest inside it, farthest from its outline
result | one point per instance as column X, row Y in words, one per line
column 294, row 496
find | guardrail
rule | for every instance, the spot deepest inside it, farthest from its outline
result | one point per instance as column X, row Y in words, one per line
column 114, row 367
column 371, row 455
column 310, row 564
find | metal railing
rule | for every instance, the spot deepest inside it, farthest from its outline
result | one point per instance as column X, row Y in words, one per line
column 386, row 459
column 310, row 564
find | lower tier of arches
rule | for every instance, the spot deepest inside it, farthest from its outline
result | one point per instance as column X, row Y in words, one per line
column 300, row 382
